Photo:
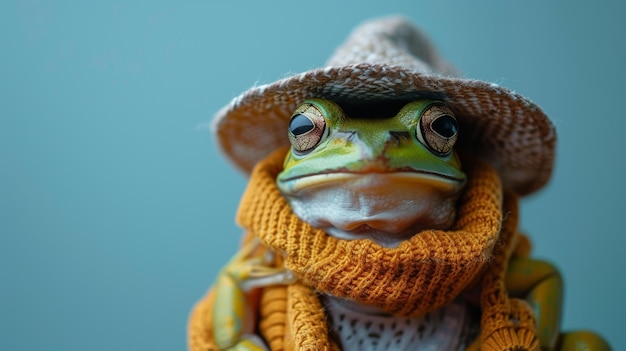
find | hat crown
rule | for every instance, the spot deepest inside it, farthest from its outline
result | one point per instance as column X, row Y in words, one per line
column 392, row 41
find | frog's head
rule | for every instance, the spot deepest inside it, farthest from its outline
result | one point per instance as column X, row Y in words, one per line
column 380, row 171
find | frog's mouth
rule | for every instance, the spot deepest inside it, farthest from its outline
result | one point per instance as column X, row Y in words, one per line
column 384, row 207
column 292, row 185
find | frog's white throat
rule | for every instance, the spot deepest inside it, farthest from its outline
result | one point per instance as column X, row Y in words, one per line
column 377, row 206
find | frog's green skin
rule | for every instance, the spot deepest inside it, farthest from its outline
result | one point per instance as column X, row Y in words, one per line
column 233, row 312
column 382, row 179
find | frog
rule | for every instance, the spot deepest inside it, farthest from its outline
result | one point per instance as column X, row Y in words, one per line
column 382, row 172
column 381, row 210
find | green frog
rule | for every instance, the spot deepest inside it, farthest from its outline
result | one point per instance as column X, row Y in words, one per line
column 381, row 172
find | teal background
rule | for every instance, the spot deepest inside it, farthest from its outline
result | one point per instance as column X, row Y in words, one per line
column 116, row 208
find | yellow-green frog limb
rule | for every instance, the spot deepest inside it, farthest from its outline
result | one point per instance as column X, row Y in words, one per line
column 234, row 307
column 541, row 285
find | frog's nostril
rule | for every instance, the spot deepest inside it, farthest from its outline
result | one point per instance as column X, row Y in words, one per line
column 398, row 136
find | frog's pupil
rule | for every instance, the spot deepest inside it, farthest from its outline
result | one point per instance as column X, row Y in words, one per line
column 445, row 126
column 300, row 124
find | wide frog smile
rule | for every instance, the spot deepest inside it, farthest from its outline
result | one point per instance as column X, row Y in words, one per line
column 382, row 179
column 298, row 183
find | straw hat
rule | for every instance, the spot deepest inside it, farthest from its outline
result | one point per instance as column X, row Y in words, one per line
column 389, row 59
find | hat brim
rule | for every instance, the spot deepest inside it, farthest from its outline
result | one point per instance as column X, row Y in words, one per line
column 504, row 128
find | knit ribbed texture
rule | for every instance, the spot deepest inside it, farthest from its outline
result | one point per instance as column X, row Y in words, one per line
column 273, row 322
column 200, row 326
column 506, row 324
column 307, row 319
column 422, row 274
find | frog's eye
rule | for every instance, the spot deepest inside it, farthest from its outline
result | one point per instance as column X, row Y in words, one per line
column 438, row 129
column 307, row 127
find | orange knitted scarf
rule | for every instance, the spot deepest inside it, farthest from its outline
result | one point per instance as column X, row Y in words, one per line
column 424, row 273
